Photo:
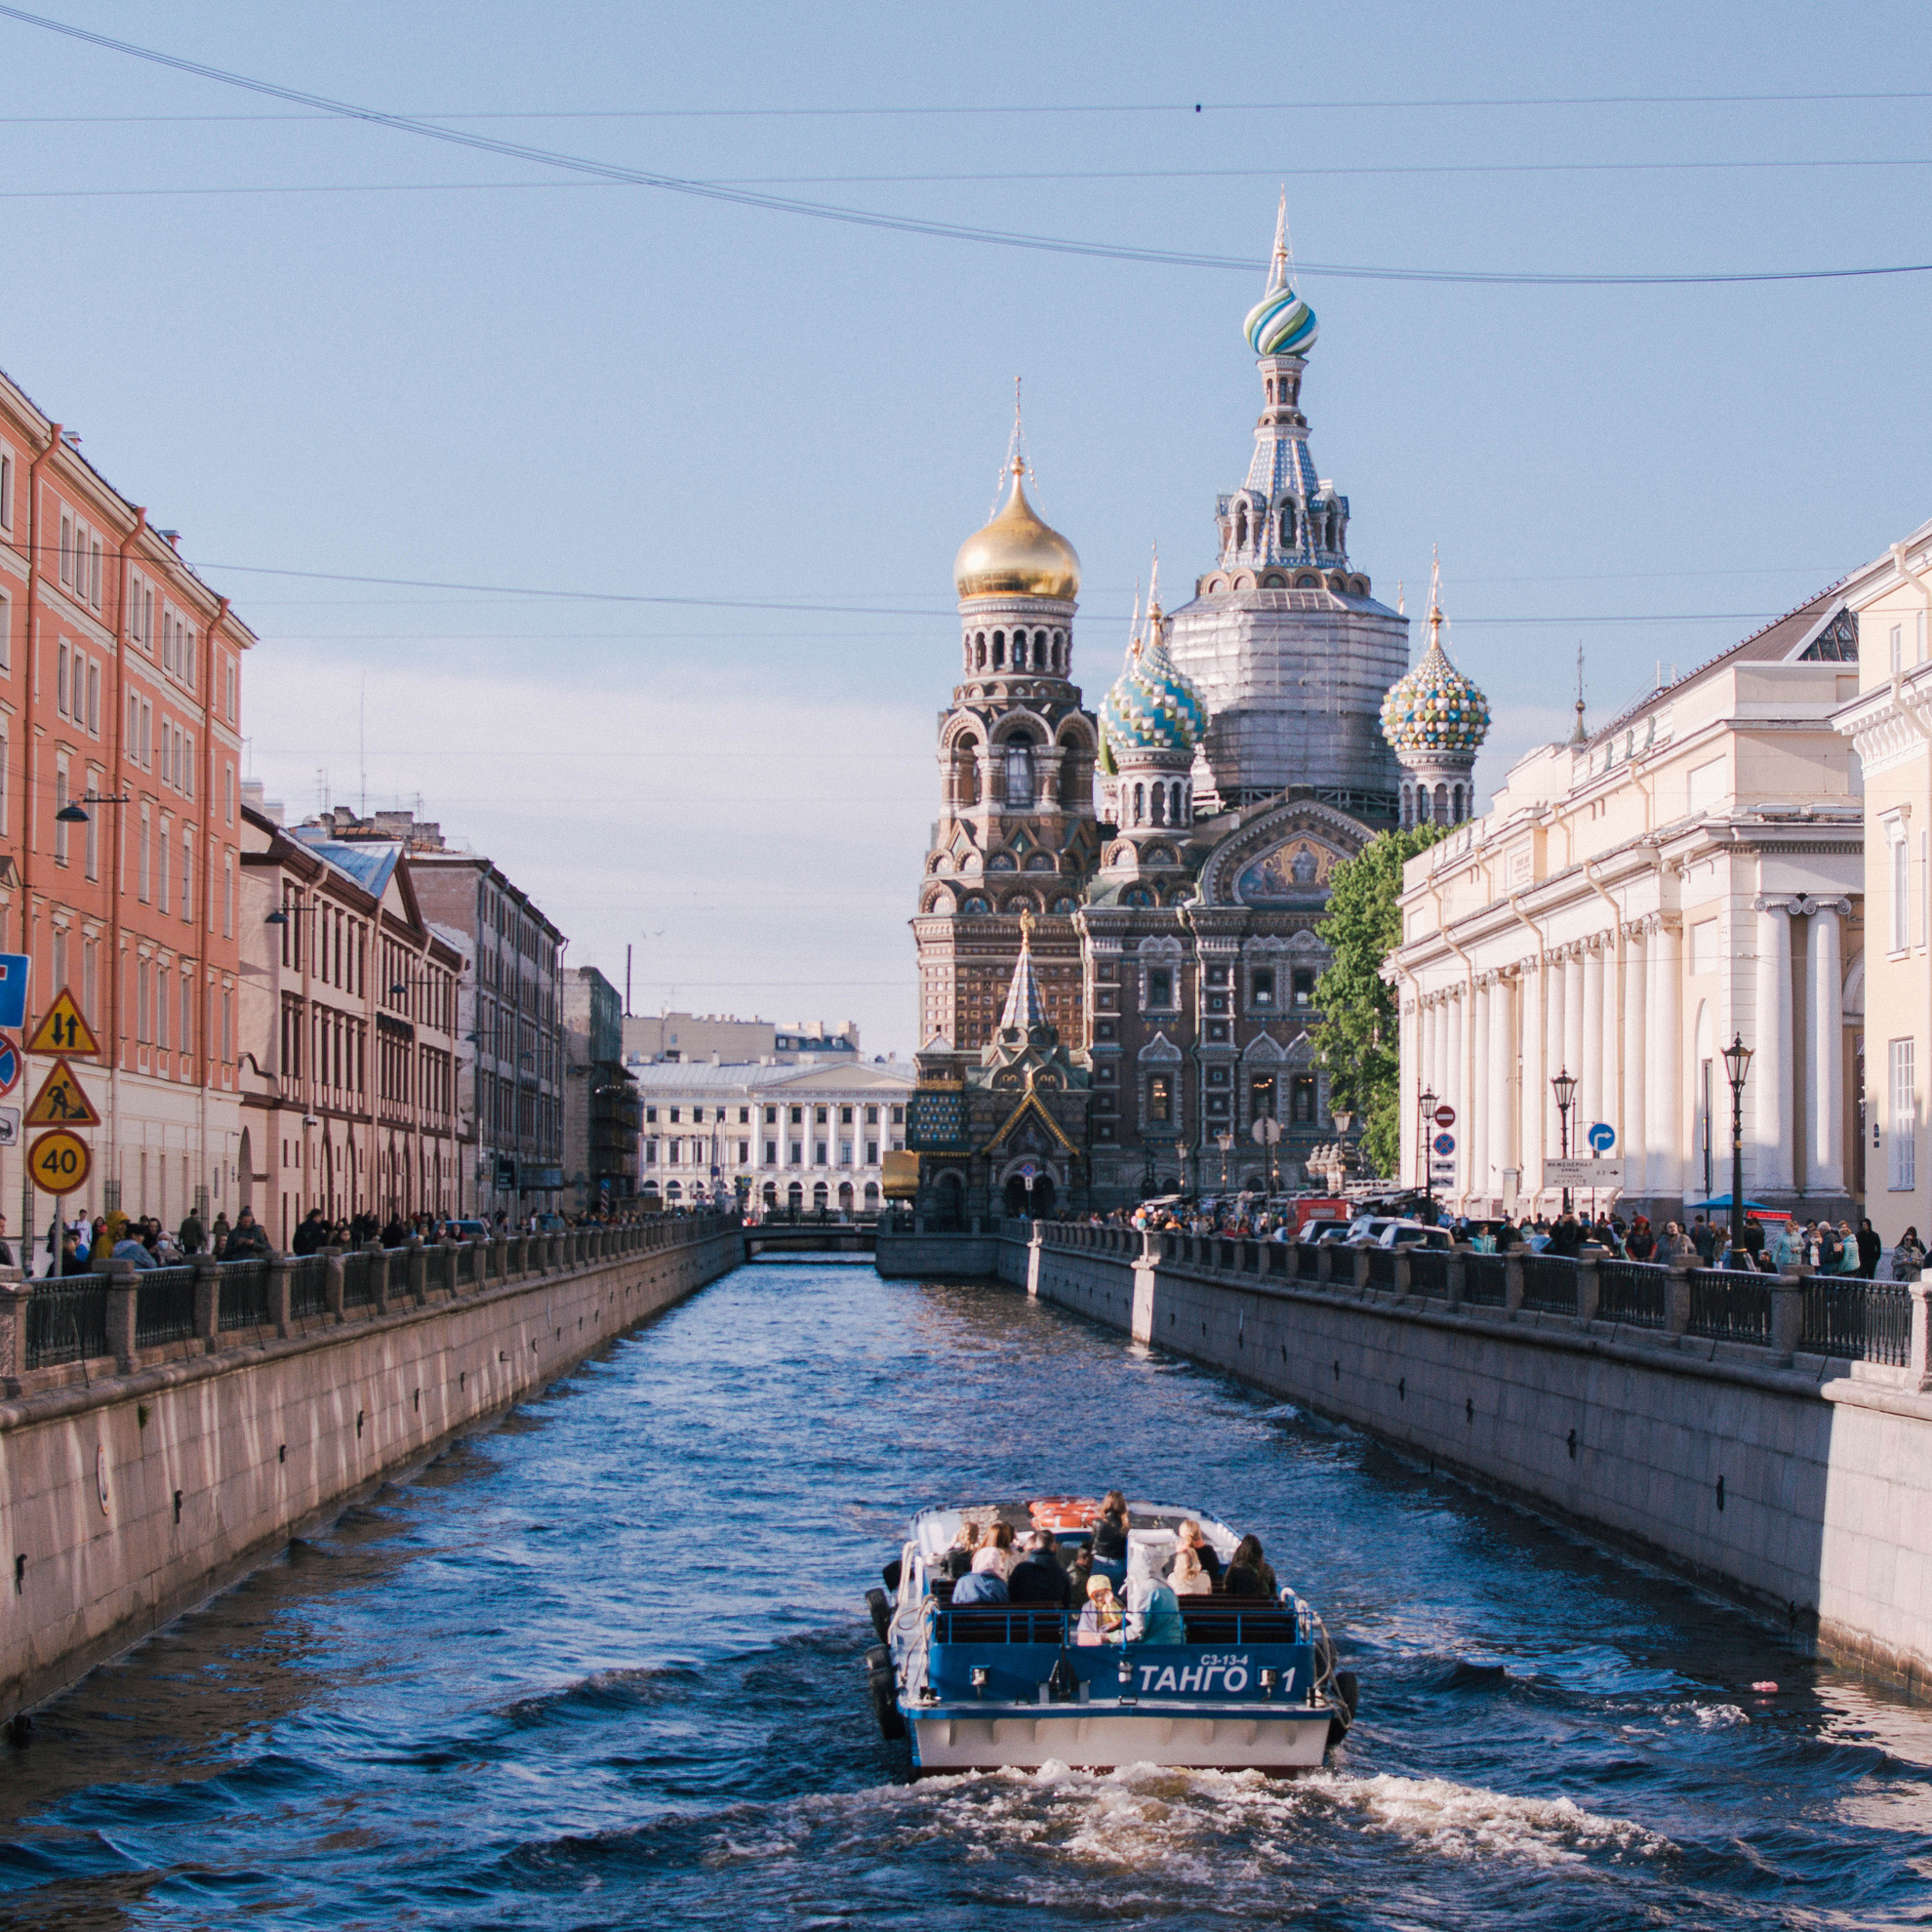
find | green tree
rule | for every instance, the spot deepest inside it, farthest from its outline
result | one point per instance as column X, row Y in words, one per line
column 1358, row 1038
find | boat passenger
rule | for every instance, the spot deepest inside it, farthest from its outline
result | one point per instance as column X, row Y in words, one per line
column 1102, row 1620
column 1078, row 1572
column 1188, row 1578
column 1188, row 1535
column 1037, row 1578
column 1249, row 1574
column 996, row 1550
column 1159, row 1619
column 980, row 1587
column 958, row 1559
column 1110, row 1538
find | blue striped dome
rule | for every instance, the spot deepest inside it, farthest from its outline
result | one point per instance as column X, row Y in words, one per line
column 1281, row 323
column 1153, row 705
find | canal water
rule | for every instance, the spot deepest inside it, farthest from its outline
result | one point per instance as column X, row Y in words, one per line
column 600, row 1668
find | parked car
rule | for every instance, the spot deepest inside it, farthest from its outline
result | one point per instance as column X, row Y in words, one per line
column 1374, row 1232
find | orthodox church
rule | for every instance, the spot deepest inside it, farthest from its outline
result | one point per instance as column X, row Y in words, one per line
column 1119, row 916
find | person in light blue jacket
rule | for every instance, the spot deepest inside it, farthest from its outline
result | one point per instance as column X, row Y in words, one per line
column 1159, row 1618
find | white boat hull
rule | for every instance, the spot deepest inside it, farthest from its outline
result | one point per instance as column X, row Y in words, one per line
column 1097, row 1737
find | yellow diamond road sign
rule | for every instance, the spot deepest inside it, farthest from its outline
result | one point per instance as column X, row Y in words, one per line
column 62, row 1101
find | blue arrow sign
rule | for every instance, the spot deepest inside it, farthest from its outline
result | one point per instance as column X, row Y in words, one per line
column 1602, row 1138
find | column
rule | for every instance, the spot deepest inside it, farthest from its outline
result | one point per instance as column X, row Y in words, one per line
column 1770, row 1082
column 1665, row 1100
column 1506, row 1042
column 1629, row 1116
column 1591, row 1096
column 1573, row 1023
column 1555, row 1033
column 1455, row 1088
column 1476, row 1142
column 1825, row 1170
column 1533, row 1098
column 1409, row 1038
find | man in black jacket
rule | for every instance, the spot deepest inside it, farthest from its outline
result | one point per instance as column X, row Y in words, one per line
column 1037, row 1577
column 1870, row 1248
column 249, row 1241
column 311, row 1233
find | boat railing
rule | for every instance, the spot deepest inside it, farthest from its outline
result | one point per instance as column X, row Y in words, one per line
column 1213, row 1622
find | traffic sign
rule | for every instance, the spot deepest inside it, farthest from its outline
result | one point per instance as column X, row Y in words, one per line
column 59, row 1162
column 16, row 968
column 10, row 1126
column 1445, row 1115
column 62, row 1029
column 1574, row 1172
column 1267, row 1130
column 10, row 1063
column 1444, row 1145
column 1029, row 1171
column 1601, row 1138
column 62, row 1101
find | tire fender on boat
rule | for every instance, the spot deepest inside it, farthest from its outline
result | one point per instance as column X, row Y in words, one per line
column 882, row 1681
column 1348, row 1689
column 875, row 1602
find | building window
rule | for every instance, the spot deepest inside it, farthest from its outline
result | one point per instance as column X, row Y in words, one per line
column 1905, row 1120
column 1304, row 988
column 871, row 1153
column 1160, row 986
column 771, row 1153
column 1160, row 1100
column 1263, row 993
column 1901, row 894
column 1898, row 648
column 1302, row 1099
column 59, row 806
column 1261, row 1096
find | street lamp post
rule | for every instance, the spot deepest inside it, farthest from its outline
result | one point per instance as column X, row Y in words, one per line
column 1736, row 1063
column 1148, row 1174
column 1565, row 1085
column 1225, row 1142
column 1425, row 1109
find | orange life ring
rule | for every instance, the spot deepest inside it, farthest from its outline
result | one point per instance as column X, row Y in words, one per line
column 1064, row 1512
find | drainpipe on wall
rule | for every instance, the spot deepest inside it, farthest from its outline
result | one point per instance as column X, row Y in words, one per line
column 123, row 642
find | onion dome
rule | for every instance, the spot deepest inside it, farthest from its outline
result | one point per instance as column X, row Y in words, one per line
column 1154, row 705
column 1017, row 555
column 1435, row 707
column 1280, row 323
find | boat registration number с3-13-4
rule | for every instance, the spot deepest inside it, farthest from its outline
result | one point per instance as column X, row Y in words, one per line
column 1200, row 1677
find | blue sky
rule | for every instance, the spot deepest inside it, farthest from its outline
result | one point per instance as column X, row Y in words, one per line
column 403, row 367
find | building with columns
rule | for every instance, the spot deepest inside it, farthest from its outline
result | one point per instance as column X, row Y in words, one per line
column 1689, row 874
column 1889, row 724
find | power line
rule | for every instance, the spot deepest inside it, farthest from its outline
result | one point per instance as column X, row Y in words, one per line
column 910, row 225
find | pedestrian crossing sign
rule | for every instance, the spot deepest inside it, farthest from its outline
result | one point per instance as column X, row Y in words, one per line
column 62, row 1029
column 62, row 1102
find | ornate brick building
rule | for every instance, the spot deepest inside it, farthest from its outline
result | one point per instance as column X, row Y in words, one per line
column 1176, row 852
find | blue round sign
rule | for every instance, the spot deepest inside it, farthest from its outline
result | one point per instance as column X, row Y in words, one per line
column 1602, row 1138
column 10, row 1065
column 1444, row 1144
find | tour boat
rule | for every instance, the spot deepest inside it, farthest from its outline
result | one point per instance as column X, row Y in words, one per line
column 991, row 1686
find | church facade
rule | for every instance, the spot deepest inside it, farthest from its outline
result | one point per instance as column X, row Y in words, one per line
column 1157, row 872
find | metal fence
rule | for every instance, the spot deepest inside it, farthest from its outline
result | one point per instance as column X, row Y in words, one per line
column 1727, row 1305
column 164, row 1306
column 308, row 1286
column 244, row 1294
column 1636, row 1293
column 1550, row 1285
column 1428, row 1271
column 358, row 1282
column 1381, row 1266
column 1485, row 1280
column 66, row 1321
column 1861, row 1321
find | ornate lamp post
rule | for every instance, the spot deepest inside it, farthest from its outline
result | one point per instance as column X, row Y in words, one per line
column 1425, row 1109
column 1736, row 1063
column 1226, row 1142
column 1565, row 1085
column 1147, row 1175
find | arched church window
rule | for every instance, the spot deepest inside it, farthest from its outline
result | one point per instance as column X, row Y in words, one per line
column 980, row 651
column 999, row 650
column 1242, row 528
column 1176, row 811
column 1287, row 526
column 1456, row 805
column 966, row 771
column 1442, row 804
column 1019, row 774
column 1161, row 804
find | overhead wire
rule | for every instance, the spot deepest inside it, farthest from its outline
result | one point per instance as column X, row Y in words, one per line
column 454, row 137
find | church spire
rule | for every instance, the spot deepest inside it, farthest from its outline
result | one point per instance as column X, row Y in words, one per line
column 1025, row 1008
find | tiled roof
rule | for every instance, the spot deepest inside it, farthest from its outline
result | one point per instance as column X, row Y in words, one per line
column 370, row 863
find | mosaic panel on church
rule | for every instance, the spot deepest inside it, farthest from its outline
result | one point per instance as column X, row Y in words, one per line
column 1290, row 873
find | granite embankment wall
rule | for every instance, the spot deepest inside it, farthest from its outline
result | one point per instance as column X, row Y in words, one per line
column 1723, row 1427
column 136, row 1481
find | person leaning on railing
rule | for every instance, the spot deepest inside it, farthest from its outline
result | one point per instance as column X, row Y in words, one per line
column 1908, row 1257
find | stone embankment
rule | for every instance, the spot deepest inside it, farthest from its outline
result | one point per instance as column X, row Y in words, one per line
column 1770, row 1435
column 164, row 1433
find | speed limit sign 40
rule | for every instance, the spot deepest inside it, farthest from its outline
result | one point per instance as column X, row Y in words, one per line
column 59, row 1162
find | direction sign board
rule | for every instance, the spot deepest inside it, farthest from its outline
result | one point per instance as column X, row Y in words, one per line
column 59, row 1162
column 62, row 1101
column 1601, row 1138
column 1583, row 1173
column 1442, row 1173
column 1443, row 1144
column 10, row 1063
column 62, row 1029
column 1445, row 1115
column 14, row 970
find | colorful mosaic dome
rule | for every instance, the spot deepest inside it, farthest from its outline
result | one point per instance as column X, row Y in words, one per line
column 1281, row 323
column 1434, row 709
column 1153, row 706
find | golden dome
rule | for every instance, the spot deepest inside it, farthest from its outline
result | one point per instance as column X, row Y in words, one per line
column 1016, row 555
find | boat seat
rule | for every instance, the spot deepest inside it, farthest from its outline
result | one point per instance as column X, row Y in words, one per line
column 1236, row 1619
column 993, row 1622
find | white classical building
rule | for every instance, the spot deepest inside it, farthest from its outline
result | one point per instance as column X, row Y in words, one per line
column 1630, row 903
column 784, row 1136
